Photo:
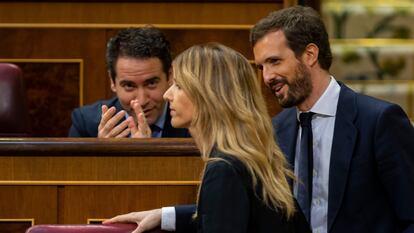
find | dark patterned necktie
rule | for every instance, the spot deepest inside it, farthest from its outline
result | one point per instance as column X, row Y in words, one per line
column 305, row 164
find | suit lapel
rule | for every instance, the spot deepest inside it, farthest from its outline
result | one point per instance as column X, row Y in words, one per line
column 118, row 105
column 286, row 127
column 344, row 139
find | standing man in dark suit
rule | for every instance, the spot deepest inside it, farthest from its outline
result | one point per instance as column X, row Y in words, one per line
column 362, row 175
column 139, row 63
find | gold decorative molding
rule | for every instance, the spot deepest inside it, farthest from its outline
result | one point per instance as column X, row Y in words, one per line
column 371, row 42
column 31, row 220
column 393, row 45
column 53, row 60
column 94, row 220
column 367, row 4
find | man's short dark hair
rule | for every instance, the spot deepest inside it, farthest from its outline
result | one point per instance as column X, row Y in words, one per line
column 301, row 26
column 141, row 43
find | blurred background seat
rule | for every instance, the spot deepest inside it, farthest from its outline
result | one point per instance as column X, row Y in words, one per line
column 13, row 108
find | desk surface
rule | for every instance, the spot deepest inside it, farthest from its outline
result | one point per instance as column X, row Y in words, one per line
column 93, row 146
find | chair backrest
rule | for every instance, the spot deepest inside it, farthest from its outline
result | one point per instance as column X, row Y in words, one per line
column 13, row 108
column 87, row 228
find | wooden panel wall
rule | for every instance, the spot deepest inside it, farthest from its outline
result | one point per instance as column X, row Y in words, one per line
column 51, row 85
column 119, row 12
column 71, row 181
column 58, row 30
column 20, row 202
column 81, row 203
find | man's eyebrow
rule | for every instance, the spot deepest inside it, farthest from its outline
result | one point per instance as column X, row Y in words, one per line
column 269, row 59
column 125, row 82
column 156, row 78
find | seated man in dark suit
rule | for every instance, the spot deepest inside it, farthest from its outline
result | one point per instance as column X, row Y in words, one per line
column 139, row 63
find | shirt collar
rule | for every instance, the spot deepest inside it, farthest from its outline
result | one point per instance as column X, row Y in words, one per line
column 328, row 102
column 161, row 119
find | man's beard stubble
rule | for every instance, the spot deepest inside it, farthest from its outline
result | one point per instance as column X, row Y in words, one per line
column 299, row 88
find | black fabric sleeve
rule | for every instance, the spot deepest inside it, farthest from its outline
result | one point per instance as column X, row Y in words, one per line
column 224, row 200
column 78, row 124
column 394, row 145
column 184, row 221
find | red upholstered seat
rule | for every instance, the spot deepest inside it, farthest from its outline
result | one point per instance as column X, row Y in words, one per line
column 86, row 228
column 13, row 109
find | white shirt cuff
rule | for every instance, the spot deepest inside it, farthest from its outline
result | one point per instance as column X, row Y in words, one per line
column 168, row 218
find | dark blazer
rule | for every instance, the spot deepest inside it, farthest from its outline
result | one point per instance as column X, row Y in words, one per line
column 228, row 204
column 371, row 175
column 85, row 121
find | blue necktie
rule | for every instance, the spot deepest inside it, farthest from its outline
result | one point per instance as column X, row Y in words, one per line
column 155, row 131
column 305, row 163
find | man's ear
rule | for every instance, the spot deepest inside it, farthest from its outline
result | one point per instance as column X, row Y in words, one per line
column 310, row 55
column 170, row 77
column 113, row 88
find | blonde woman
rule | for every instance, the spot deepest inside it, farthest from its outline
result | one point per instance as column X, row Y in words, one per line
column 244, row 188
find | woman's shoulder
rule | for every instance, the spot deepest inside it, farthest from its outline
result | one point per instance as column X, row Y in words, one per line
column 226, row 163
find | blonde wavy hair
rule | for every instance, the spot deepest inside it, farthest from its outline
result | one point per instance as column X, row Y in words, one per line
column 231, row 115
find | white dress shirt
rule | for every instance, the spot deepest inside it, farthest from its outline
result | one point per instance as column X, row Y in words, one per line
column 323, row 123
column 168, row 218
